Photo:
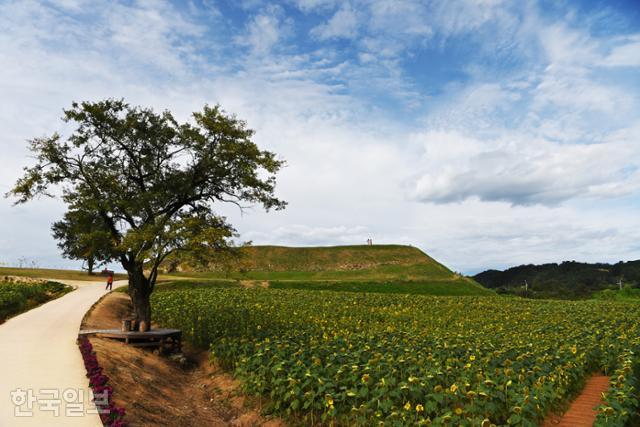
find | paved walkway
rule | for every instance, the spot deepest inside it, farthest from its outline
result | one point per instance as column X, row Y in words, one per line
column 38, row 352
column 583, row 412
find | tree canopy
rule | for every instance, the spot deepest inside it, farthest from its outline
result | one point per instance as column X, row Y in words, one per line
column 81, row 235
column 152, row 182
column 569, row 279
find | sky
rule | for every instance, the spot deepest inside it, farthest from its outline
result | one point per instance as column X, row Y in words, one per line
column 487, row 133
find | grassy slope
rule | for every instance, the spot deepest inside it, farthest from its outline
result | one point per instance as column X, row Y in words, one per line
column 47, row 273
column 379, row 268
column 331, row 263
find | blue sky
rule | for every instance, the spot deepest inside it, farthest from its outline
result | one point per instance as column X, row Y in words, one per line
column 488, row 133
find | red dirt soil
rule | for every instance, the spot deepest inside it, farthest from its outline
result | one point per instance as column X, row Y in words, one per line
column 582, row 412
column 156, row 391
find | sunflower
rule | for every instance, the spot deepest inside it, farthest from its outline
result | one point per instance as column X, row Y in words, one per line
column 329, row 400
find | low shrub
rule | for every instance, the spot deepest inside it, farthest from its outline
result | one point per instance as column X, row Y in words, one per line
column 16, row 297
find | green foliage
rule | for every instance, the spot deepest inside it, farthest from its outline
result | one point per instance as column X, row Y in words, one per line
column 383, row 272
column 122, row 169
column 360, row 268
column 18, row 297
column 360, row 359
column 568, row 280
column 627, row 293
column 378, row 262
column 620, row 407
column 152, row 182
column 332, row 258
column 444, row 287
column 81, row 235
column 198, row 284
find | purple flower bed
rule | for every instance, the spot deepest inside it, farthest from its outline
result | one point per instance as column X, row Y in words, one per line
column 110, row 415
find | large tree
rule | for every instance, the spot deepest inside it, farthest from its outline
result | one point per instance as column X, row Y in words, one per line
column 82, row 235
column 152, row 181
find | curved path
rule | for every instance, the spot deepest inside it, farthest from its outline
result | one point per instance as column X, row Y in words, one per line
column 39, row 354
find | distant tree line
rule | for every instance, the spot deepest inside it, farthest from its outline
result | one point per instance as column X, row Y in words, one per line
column 567, row 280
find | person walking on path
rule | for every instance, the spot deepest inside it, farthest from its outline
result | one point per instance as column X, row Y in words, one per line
column 109, row 282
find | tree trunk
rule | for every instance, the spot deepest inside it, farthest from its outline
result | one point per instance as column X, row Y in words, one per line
column 140, row 291
column 173, row 266
column 90, row 266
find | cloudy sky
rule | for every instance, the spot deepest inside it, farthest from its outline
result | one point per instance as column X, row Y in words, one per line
column 488, row 133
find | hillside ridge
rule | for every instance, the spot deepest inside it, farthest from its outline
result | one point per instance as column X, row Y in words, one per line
column 374, row 268
column 339, row 258
column 569, row 279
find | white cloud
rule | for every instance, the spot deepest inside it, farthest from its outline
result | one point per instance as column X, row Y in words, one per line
column 312, row 5
column 464, row 16
column 520, row 170
column 399, row 17
column 561, row 131
column 625, row 55
column 265, row 31
column 343, row 24
column 566, row 46
column 478, row 234
column 558, row 142
column 571, row 78
column 573, row 89
column 299, row 234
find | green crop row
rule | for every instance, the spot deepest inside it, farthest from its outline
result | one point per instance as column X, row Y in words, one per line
column 620, row 406
column 458, row 286
column 363, row 359
column 18, row 297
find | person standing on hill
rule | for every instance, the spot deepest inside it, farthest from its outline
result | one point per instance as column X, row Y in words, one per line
column 109, row 282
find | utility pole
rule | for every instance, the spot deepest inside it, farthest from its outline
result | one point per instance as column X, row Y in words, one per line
column 526, row 287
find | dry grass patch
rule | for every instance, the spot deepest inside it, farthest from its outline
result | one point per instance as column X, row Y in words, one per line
column 156, row 390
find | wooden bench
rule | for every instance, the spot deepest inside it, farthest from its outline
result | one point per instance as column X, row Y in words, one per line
column 164, row 339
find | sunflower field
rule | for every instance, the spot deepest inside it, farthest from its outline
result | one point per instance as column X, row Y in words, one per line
column 16, row 296
column 346, row 358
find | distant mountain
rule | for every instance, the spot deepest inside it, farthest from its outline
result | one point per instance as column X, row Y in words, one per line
column 568, row 280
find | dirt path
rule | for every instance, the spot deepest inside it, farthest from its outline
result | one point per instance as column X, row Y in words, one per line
column 38, row 352
column 156, row 391
column 582, row 412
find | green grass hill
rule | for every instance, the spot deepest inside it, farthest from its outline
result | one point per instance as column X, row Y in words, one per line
column 378, row 268
column 48, row 273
